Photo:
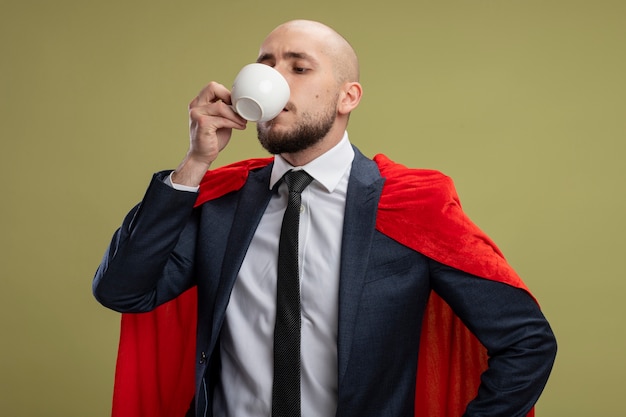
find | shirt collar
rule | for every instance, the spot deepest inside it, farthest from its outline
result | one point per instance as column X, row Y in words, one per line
column 327, row 169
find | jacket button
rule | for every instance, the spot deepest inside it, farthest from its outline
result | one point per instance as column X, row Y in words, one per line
column 202, row 358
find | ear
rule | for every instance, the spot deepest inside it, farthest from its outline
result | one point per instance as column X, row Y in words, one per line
column 349, row 97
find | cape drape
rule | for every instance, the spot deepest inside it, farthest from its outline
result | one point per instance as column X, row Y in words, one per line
column 418, row 208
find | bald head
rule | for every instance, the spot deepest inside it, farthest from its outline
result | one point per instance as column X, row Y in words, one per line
column 322, row 71
column 336, row 47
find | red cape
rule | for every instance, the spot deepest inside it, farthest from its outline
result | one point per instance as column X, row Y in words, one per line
column 418, row 208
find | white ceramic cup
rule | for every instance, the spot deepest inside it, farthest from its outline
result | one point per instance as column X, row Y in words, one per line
column 259, row 93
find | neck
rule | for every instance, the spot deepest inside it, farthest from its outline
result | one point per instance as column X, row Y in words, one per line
column 303, row 157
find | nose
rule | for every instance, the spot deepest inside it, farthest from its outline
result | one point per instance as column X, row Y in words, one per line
column 283, row 69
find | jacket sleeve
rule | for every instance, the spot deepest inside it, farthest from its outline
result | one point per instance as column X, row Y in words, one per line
column 519, row 341
column 150, row 258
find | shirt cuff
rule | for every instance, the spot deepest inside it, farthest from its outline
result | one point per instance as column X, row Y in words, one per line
column 168, row 180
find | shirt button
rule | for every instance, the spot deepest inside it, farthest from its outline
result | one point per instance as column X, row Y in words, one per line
column 301, row 208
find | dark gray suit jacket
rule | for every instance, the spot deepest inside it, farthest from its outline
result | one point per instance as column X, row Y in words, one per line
column 165, row 246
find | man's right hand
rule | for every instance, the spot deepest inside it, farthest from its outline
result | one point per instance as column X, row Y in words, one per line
column 211, row 120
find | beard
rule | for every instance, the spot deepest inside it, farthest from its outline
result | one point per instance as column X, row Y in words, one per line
column 308, row 131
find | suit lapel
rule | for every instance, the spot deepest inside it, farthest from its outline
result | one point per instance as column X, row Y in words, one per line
column 255, row 195
column 364, row 190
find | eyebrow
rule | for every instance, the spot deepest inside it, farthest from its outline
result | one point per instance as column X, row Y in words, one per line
column 286, row 55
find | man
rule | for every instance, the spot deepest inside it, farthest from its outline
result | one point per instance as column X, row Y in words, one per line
column 365, row 271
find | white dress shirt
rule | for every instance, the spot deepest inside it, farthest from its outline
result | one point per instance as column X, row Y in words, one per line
column 247, row 337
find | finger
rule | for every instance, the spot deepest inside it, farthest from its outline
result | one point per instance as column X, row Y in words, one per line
column 218, row 109
column 212, row 93
column 213, row 122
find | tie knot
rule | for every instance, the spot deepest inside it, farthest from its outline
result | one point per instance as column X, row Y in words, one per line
column 297, row 181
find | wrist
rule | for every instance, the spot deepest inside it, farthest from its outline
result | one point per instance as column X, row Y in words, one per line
column 190, row 172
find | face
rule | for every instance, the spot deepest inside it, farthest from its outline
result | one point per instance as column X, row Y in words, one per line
column 308, row 130
column 312, row 108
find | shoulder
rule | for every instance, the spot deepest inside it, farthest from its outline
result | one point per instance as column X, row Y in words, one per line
column 221, row 181
column 401, row 181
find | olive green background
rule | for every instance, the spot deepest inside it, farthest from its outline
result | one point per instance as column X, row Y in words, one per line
column 522, row 102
